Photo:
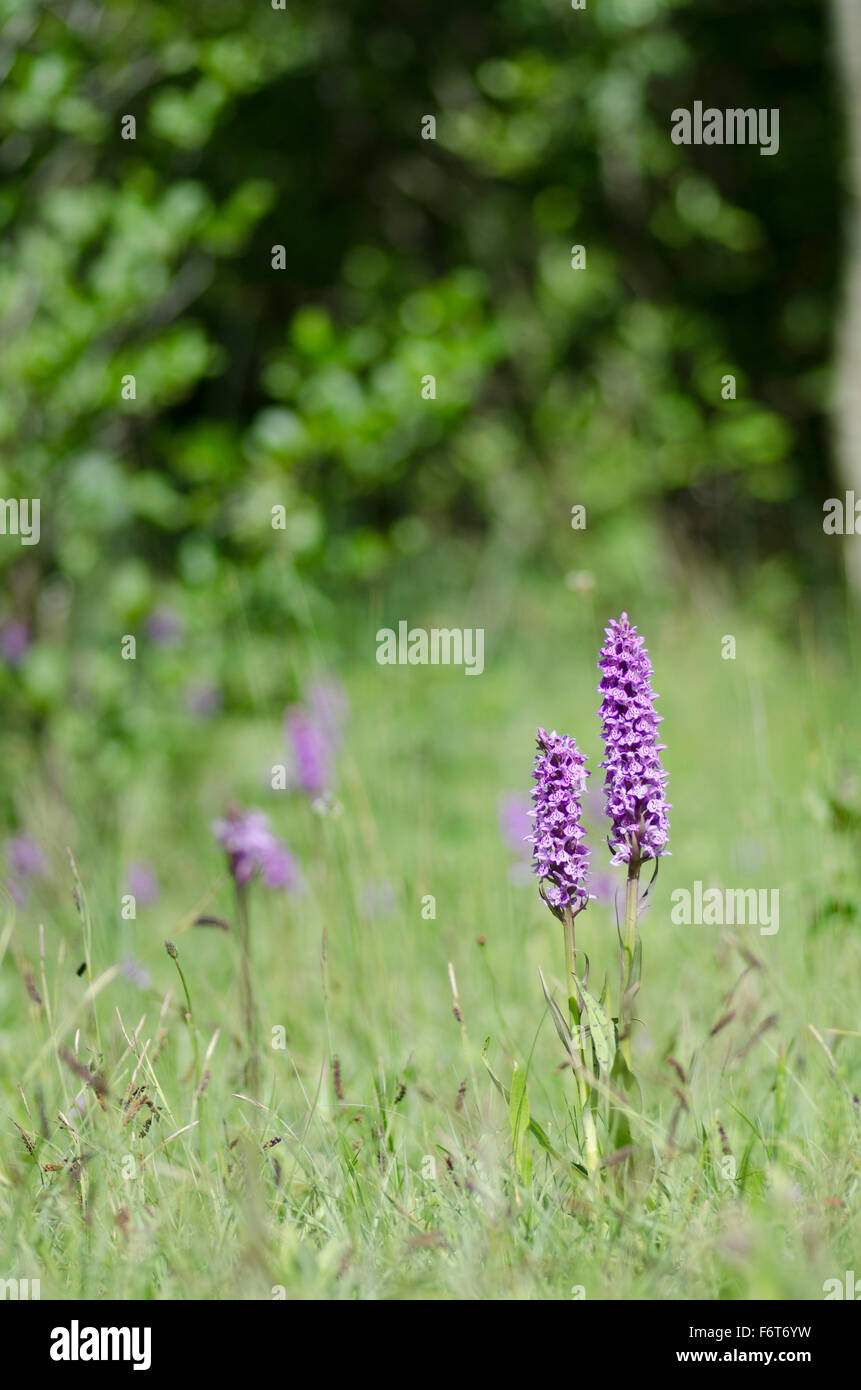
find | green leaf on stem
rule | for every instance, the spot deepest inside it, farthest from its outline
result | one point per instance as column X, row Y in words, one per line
column 518, row 1114
column 534, row 1127
column 601, row 1031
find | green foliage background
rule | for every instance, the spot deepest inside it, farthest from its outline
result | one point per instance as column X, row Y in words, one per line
column 258, row 127
column 301, row 387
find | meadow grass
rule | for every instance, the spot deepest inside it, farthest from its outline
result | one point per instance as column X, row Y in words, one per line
column 374, row 1158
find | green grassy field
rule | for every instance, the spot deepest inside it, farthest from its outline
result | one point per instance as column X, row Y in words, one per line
column 389, row 1173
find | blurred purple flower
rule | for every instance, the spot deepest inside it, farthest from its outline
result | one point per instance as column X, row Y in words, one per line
column 593, row 805
column 380, row 899
column 327, row 704
column 18, row 892
column 311, row 750
column 164, row 627
column 603, row 888
column 515, row 823
column 202, row 700
column 25, row 857
column 250, row 847
column 14, row 642
column 142, row 883
column 279, row 867
column 135, row 973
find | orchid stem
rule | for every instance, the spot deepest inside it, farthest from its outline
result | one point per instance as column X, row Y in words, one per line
column 246, row 992
column 590, row 1133
column 632, row 907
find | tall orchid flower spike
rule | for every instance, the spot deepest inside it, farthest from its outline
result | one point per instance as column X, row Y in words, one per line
column 560, row 859
column 634, row 784
column 561, row 863
column 635, row 780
